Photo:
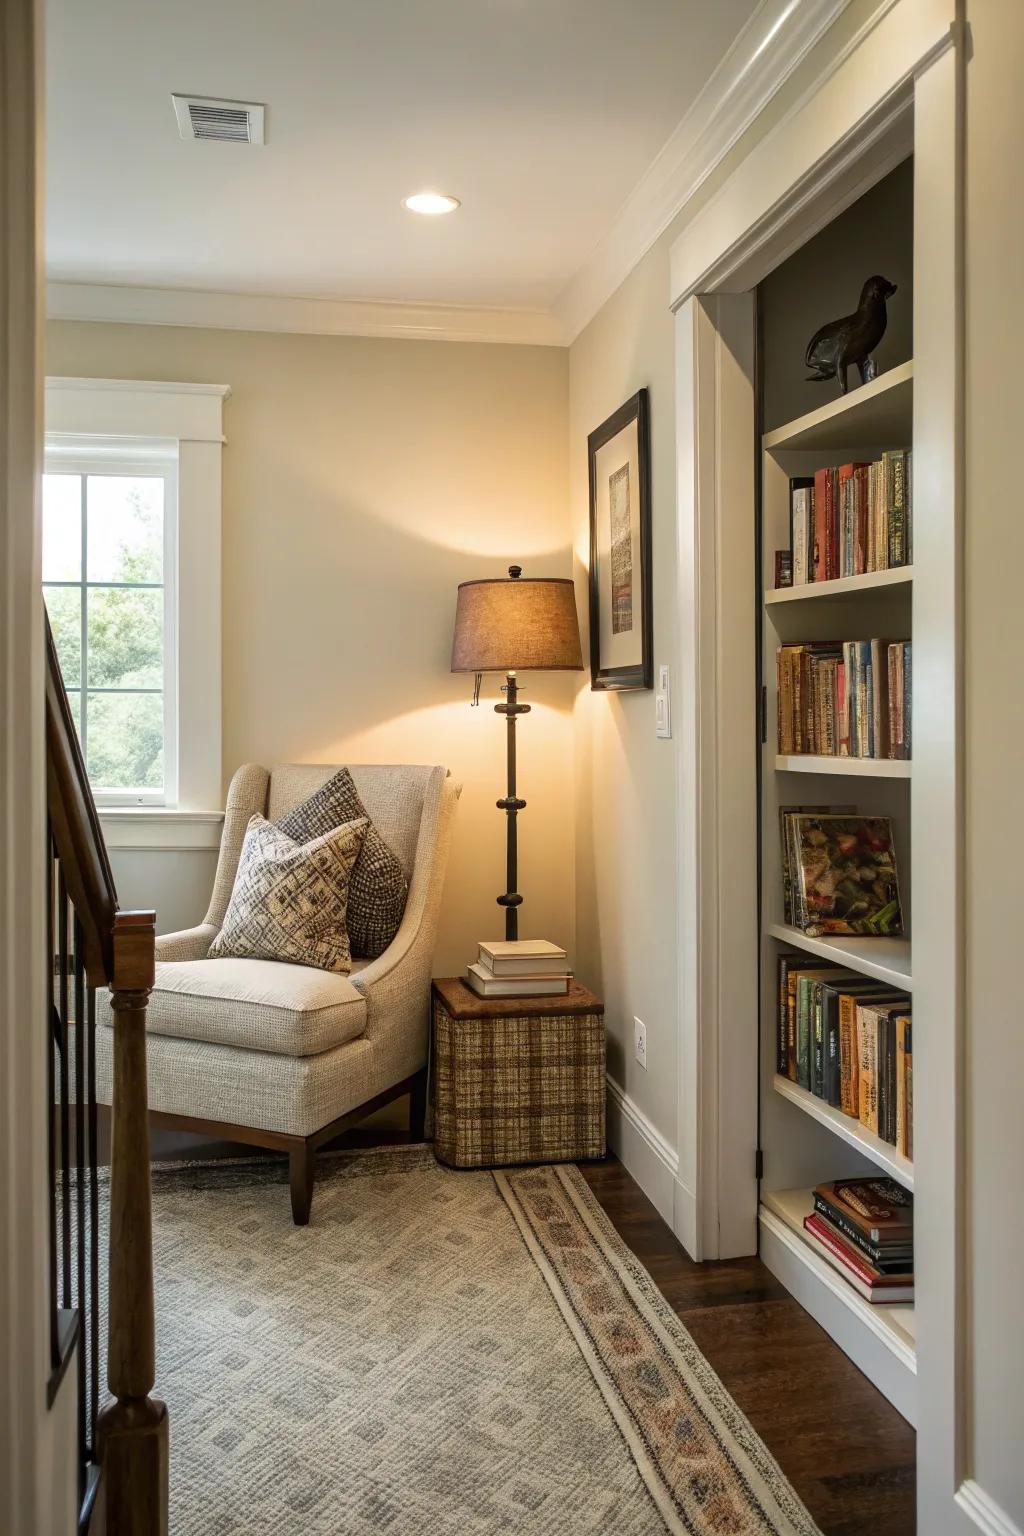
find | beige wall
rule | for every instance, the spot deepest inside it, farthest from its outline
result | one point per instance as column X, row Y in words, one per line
column 625, row 776
column 994, row 634
column 363, row 480
column 626, row 859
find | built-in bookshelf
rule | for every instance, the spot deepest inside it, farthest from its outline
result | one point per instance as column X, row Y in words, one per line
column 806, row 1140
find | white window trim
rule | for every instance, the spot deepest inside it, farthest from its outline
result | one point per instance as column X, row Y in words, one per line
column 160, row 829
column 70, row 455
column 190, row 415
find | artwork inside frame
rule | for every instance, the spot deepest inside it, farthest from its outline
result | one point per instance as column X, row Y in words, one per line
column 621, row 623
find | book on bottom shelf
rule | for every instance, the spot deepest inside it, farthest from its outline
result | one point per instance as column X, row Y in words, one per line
column 873, row 1284
column 876, row 1213
column 864, row 1228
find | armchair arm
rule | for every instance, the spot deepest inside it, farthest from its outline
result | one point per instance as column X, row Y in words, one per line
column 187, row 944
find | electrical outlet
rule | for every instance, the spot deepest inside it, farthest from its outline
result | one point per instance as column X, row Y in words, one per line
column 640, row 1042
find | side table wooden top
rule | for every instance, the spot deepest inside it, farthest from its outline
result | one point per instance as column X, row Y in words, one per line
column 461, row 1002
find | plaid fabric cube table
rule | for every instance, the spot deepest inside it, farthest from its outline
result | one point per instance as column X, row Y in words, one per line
column 517, row 1079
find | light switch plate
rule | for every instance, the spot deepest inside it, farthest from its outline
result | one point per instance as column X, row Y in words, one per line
column 663, row 705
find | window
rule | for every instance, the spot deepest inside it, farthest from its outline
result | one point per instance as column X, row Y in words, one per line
column 132, row 578
column 109, row 569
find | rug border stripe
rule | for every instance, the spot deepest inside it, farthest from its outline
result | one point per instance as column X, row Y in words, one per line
column 666, row 1505
column 689, row 1358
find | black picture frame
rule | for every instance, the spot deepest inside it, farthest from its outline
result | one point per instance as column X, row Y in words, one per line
column 638, row 674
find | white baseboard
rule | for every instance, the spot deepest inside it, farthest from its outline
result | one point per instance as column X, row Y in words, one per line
column 644, row 1152
column 684, row 1218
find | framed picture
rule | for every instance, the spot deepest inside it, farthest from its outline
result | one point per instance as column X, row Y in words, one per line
column 621, row 627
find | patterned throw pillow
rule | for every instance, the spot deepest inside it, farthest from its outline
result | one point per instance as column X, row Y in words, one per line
column 289, row 899
column 376, row 900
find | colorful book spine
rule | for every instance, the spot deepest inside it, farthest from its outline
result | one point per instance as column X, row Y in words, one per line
column 801, row 503
column 804, row 1007
column 849, row 1057
column 822, row 483
column 867, row 1057
column 904, row 1053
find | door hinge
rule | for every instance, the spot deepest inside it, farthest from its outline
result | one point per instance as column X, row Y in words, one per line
column 759, row 1164
column 764, row 713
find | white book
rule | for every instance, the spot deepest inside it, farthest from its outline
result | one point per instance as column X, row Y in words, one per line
column 485, row 984
column 522, row 957
column 802, row 515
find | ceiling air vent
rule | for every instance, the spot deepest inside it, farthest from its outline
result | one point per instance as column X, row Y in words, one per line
column 232, row 122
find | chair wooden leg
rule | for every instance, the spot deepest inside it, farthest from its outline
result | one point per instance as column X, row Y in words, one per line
column 418, row 1106
column 301, row 1171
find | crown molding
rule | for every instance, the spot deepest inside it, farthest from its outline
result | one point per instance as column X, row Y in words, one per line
column 767, row 51
column 210, row 310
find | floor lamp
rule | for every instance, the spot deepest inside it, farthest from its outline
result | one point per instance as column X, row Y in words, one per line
column 514, row 626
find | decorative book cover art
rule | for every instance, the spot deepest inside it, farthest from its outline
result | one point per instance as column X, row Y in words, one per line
column 844, row 875
column 879, row 1207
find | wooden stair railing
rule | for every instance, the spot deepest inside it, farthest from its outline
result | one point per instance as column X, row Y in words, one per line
column 128, row 1443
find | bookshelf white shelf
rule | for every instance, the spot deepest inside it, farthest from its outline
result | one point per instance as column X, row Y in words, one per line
column 851, row 1131
column 879, row 1339
column 845, row 767
column 842, row 586
column 803, row 1139
column 866, row 416
column 885, row 960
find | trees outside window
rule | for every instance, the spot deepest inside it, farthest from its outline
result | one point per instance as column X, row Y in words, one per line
column 108, row 584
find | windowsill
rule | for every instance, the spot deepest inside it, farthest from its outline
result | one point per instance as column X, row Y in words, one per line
column 159, row 828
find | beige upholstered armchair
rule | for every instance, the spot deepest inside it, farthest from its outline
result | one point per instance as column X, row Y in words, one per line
column 285, row 1056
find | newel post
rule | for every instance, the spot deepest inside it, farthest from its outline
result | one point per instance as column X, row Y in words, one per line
column 133, row 1429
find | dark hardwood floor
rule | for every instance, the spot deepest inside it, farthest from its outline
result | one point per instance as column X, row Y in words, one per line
column 847, row 1452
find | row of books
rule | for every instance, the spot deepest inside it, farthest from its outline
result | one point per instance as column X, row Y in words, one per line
column 850, row 698
column 849, row 1041
column 848, row 520
column 864, row 1228
column 519, row 968
column 839, row 872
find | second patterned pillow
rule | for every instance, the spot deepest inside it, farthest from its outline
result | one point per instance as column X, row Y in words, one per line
column 379, row 887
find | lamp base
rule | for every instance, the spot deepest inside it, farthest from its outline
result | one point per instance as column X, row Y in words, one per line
column 511, row 805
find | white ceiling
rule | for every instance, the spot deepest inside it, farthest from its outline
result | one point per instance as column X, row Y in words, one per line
column 541, row 115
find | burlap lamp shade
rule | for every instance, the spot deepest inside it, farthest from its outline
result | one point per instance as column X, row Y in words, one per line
column 517, row 625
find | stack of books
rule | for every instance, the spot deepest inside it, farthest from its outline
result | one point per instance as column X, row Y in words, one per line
column 519, row 968
column 864, row 1228
column 850, row 698
column 849, row 1041
column 849, row 520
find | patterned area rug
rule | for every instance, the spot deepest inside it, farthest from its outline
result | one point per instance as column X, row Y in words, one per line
column 458, row 1353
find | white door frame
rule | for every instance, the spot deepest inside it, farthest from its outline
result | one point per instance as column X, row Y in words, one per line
column 716, row 1216
column 898, row 88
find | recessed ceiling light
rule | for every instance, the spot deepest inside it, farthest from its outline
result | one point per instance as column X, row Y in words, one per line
column 430, row 202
